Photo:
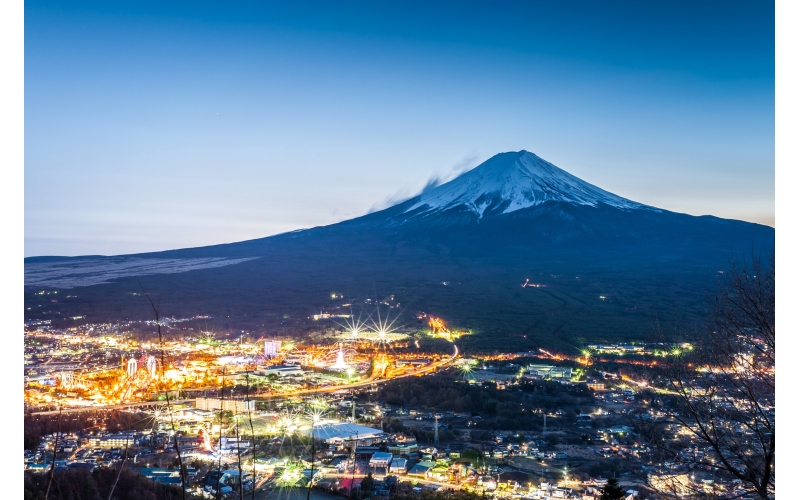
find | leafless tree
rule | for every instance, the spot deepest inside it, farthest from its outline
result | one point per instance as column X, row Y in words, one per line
column 725, row 404
column 239, row 460
column 219, row 442
column 166, row 392
column 252, row 434
column 121, row 466
column 55, row 451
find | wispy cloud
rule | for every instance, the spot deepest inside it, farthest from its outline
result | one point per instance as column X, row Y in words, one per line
column 466, row 163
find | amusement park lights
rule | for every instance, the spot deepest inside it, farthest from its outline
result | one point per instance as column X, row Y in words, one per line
column 384, row 328
column 353, row 326
column 337, row 359
column 340, row 362
column 290, row 476
column 317, row 411
column 466, row 366
column 288, row 424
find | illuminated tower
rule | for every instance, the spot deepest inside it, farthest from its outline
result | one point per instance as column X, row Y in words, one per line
column 272, row 348
column 151, row 366
column 340, row 363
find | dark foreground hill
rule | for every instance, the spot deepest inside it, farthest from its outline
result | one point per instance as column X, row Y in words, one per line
column 604, row 268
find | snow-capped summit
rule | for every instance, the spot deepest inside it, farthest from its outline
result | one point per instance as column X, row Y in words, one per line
column 508, row 182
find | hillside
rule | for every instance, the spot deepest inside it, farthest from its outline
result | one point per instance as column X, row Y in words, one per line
column 607, row 266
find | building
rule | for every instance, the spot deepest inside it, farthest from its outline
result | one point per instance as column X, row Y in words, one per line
column 193, row 414
column 402, row 449
column 596, row 386
column 325, row 315
column 398, row 466
column 234, row 443
column 188, row 442
column 550, row 371
column 620, row 430
column 111, row 441
column 164, row 476
column 342, row 432
column 421, row 469
column 381, row 459
column 272, row 348
column 225, row 404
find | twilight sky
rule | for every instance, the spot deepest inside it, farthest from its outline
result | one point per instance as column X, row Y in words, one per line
column 159, row 125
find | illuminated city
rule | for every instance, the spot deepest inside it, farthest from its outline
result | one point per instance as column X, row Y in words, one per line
column 235, row 401
column 395, row 251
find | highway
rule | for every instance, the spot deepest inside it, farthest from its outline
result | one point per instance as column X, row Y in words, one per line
column 120, row 406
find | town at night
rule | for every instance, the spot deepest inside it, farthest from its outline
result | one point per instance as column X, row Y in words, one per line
column 390, row 250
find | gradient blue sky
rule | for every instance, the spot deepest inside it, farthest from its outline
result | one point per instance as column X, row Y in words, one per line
column 158, row 125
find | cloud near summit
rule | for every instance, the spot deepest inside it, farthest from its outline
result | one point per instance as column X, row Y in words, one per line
column 435, row 180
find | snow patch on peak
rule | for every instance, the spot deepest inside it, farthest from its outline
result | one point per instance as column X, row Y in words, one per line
column 508, row 182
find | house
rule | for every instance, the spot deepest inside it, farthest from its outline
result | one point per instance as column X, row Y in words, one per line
column 402, row 449
column 339, row 433
column 487, row 482
column 438, row 473
column 513, row 479
column 188, row 442
column 380, row 459
column 163, row 476
column 398, row 466
column 349, row 486
column 421, row 469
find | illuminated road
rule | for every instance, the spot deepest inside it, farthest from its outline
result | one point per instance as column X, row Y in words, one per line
column 334, row 388
column 120, row 406
column 370, row 381
column 402, row 479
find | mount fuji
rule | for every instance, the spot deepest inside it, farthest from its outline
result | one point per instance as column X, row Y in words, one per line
column 514, row 181
column 605, row 267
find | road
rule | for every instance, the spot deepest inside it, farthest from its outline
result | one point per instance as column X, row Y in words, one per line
column 120, row 406
column 371, row 381
column 401, row 478
column 363, row 383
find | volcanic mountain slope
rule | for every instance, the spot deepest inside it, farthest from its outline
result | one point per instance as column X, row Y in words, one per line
column 607, row 267
column 514, row 181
